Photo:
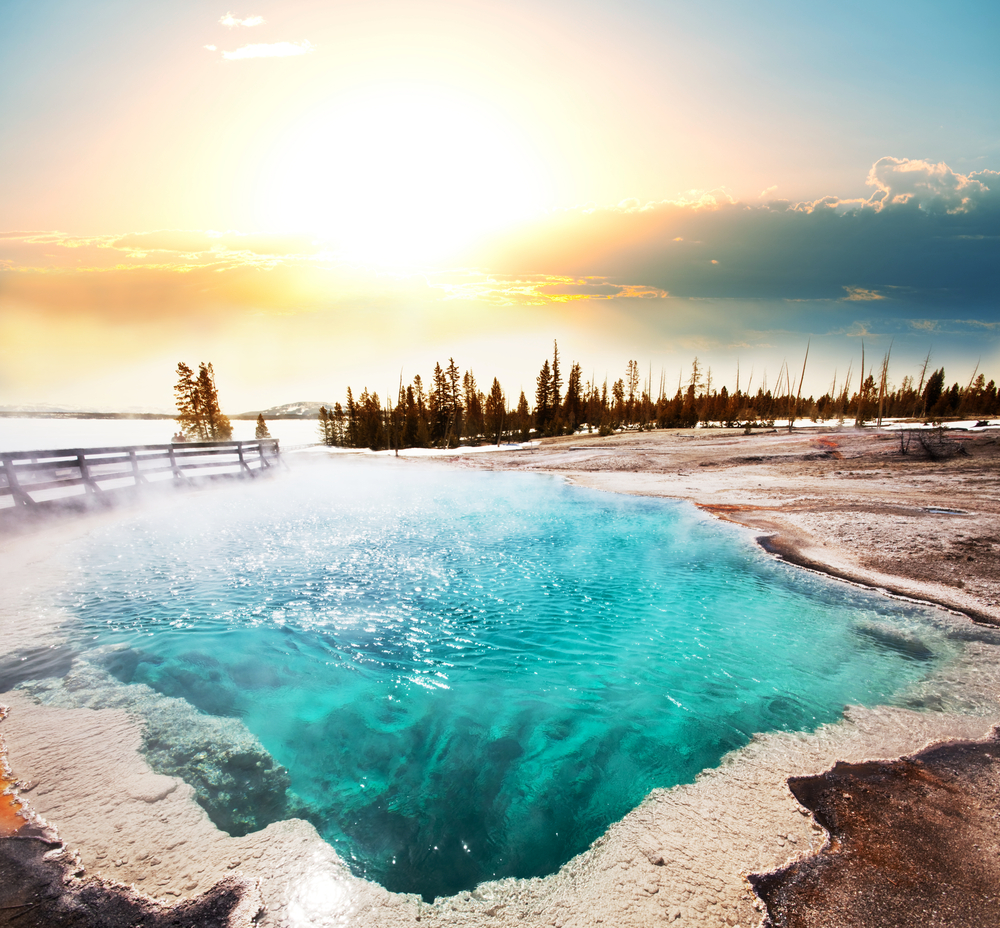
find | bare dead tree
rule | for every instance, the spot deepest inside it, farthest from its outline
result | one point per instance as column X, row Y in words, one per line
column 798, row 394
column 923, row 378
column 859, row 412
column 882, row 384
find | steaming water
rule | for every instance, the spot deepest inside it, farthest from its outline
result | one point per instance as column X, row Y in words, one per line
column 471, row 676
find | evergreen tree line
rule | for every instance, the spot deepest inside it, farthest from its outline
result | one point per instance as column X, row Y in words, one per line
column 198, row 413
column 454, row 411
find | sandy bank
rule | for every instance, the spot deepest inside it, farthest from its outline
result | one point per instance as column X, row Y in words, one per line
column 683, row 855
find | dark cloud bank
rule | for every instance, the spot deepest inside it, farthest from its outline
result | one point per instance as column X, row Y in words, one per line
column 926, row 236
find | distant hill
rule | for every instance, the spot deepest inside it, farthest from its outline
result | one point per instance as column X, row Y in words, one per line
column 50, row 410
column 41, row 407
column 304, row 409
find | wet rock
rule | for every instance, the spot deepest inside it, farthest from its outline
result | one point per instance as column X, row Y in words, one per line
column 235, row 779
column 39, row 890
column 911, row 844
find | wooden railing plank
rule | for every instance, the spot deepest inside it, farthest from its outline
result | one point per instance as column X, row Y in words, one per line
column 28, row 472
column 117, row 449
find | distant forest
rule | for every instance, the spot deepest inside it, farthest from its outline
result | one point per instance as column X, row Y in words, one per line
column 452, row 410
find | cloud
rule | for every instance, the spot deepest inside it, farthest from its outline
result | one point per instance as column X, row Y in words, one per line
column 161, row 247
column 894, row 254
column 269, row 50
column 131, row 290
column 536, row 290
column 932, row 187
column 858, row 294
column 932, row 236
column 231, row 20
column 211, row 48
column 860, row 330
column 957, row 326
column 572, row 289
column 182, row 274
column 215, row 244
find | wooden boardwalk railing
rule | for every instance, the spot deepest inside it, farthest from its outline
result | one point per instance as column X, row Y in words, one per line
column 28, row 478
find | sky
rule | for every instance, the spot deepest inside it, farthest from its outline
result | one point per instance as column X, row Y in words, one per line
column 312, row 195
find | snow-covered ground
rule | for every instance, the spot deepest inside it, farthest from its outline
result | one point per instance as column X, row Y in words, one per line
column 827, row 424
column 44, row 434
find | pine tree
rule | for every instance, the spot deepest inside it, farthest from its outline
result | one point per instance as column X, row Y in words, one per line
column 261, row 430
column 188, row 402
column 543, row 398
column 338, row 427
column 556, row 393
column 454, row 376
column 197, row 398
column 351, row 422
column 216, row 425
column 411, row 419
column 573, row 405
column 423, row 436
column 933, row 391
column 524, row 417
column 475, row 425
column 325, row 426
column 496, row 411
column 440, row 406
column 618, row 394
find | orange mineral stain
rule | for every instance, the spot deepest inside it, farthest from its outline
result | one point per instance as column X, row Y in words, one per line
column 11, row 820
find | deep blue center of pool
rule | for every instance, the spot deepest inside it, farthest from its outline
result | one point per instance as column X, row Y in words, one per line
column 471, row 675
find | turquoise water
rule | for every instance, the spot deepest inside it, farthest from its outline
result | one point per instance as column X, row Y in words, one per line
column 471, row 675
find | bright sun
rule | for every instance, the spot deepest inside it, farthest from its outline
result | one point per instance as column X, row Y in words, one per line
column 400, row 175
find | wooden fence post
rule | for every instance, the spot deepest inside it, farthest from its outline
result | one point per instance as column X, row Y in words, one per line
column 173, row 465
column 88, row 480
column 135, row 467
column 15, row 488
column 243, row 463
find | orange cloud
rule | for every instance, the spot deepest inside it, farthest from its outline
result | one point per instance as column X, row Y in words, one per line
column 538, row 290
column 860, row 294
column 237, row 284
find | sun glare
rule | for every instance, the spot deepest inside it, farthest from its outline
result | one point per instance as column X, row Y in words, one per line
column 400, row 175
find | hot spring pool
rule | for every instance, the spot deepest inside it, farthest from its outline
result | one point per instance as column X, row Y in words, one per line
column 469, row 676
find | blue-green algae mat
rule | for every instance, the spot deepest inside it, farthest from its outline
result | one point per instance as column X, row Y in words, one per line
column 471, row 675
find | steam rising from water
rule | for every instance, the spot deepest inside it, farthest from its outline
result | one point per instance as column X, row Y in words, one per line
column 470, row 676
